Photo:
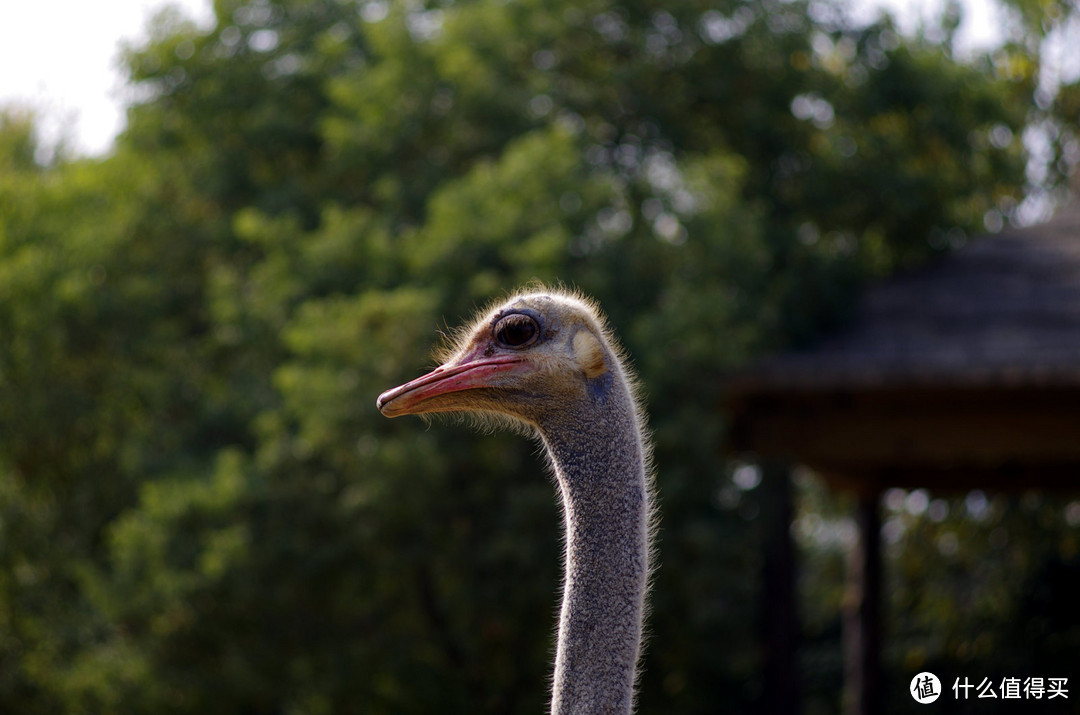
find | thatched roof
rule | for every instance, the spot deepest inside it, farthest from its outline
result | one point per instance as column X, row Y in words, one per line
column 1004, row 310
column 960, row 374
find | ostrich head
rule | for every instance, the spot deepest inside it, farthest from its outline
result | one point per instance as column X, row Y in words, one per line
column 532, row 354
column 545, row 359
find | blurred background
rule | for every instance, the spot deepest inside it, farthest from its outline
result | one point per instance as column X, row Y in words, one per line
column 202, row 511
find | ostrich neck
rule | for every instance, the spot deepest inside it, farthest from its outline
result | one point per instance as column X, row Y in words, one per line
column 597, row 453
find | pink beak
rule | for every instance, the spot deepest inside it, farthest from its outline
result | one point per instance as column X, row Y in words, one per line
column 408, row 399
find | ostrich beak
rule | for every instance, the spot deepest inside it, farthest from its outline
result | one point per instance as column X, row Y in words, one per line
column 409, row 399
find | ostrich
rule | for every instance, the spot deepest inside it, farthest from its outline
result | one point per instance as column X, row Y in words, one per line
column 546, row 361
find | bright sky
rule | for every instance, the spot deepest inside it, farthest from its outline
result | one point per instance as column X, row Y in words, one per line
column 60, row 57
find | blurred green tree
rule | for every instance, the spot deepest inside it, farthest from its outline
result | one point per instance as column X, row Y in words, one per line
column 200, row 509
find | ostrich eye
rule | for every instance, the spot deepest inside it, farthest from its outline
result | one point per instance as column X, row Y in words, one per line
column 516, row 331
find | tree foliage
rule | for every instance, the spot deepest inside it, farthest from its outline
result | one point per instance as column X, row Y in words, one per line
column 200, row 508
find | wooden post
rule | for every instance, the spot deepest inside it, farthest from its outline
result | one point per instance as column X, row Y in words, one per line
column 780, row 623
column 862, row 613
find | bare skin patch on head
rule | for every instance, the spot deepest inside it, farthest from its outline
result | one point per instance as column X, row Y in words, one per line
column 588, row 354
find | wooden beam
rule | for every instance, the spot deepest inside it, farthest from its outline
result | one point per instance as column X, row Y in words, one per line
column 862, row 614
column 900, row 428
column 780, row 622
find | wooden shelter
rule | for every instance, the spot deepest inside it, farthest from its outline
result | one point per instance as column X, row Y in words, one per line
column 961, row 374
